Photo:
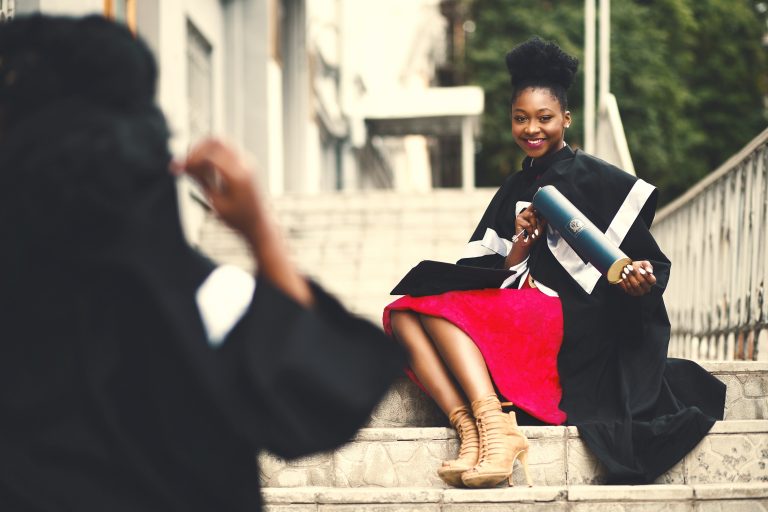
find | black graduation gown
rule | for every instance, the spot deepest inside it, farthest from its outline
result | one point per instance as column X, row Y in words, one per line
column 638, row 411
column 111, row 397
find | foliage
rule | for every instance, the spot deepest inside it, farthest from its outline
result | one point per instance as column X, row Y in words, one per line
column 689, row 77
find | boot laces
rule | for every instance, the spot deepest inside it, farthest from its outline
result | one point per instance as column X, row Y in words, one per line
column 493, row 438
column 465, row 445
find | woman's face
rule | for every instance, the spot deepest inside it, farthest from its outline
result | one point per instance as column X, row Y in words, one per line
column 539, row 122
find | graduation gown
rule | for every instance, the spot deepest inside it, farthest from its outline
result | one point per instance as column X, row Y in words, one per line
column 111, row 396
column 638, row 411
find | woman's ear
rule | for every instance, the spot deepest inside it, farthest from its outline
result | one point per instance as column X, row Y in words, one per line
column 567, row 117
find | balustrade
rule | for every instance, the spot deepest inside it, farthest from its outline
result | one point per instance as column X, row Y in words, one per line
column 716, row 236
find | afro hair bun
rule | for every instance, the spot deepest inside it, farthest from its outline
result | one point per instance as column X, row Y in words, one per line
column 537, row 62
column 46, row 59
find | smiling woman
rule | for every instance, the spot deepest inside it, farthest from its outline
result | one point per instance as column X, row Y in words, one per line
column 558, row 340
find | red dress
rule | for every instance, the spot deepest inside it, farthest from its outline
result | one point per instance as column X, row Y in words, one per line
column 519, row 333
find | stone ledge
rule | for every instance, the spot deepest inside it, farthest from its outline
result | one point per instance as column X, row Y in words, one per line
column 445, row 433
column 629, row 492
column 404, row 434
column 548, row 432
column 734, row 451
column 623, row 495
column 730, row 491
column 734, row 366
column 378, row 495
column 281, row 495
column 516, row 494
column 740, row 427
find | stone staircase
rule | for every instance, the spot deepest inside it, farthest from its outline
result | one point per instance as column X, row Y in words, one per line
column 358, row 246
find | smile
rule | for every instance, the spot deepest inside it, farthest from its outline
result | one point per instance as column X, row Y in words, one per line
column 534, row 143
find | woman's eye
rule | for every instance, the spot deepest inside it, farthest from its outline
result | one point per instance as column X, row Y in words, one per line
column 519, row 119
column 545, row 119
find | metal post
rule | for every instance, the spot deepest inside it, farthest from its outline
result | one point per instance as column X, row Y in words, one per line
column 605, row 51
column 589, row 75
column 467, row 154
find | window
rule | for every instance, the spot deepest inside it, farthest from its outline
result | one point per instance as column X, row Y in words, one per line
column 199, row 83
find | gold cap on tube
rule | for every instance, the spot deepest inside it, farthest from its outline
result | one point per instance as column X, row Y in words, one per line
column 614, row 273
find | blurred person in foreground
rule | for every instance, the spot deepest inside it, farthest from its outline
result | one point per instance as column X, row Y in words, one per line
column 135, row 374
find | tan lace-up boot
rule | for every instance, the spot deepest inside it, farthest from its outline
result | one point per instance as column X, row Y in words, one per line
column 462, row 420
column 501, row 443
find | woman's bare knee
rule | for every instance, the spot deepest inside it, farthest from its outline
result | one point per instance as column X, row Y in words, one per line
column 407, row 329
column 402, row 321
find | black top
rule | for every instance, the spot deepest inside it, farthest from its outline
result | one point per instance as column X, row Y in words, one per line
column 111, row 397
column 638, row 411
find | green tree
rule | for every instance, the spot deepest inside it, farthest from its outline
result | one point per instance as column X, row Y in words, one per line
column 728, row 77
column 689, row 77
column 500, row 25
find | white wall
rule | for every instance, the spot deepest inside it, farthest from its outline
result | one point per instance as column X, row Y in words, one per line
column 381, row 38
column 207, row 17
column 388, row 46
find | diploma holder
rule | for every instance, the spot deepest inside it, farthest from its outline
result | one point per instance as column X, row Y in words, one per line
column 577, row 230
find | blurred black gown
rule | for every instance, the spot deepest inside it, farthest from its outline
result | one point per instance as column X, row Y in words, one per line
column 638, row 411
column 111, row 397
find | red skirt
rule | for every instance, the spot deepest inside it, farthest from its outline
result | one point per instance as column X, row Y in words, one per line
column 519, row 333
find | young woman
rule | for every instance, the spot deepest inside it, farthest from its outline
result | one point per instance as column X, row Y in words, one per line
column 558, row 340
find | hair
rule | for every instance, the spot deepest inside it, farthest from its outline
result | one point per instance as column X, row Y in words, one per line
column 47, row 59
column 82, row 142
column 538, row 63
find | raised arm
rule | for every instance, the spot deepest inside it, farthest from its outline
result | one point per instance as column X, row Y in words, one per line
column 228, row 184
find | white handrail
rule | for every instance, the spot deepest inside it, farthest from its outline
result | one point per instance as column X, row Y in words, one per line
column 716, row 236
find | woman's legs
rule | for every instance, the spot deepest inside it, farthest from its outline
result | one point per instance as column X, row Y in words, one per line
column 433, row 374
column 501, row 442
column 426, row 362
column 461, row 355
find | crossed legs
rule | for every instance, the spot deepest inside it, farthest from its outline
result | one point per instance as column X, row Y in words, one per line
column 446, row 361
column 452, row 369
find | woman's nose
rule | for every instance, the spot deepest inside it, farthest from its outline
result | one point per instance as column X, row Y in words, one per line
column 531, row 128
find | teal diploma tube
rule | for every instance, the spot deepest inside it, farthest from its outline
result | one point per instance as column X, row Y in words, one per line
column 577, row 230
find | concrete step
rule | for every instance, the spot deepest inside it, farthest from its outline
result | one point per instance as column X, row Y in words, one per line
column 733, row 452
column 746, row 397
column 574, row 498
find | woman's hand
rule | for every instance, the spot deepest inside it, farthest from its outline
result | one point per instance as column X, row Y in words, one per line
column 637, row 278
column 227, row 183
column 534, row 227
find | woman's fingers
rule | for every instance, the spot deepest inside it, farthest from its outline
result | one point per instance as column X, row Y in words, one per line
column 528, row 221
column 217, row 167
column 637, row 278
column 226, row 181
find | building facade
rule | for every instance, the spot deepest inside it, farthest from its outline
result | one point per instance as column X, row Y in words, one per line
column 299, row 85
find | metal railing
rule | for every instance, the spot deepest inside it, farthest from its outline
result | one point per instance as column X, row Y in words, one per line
column 716, row 236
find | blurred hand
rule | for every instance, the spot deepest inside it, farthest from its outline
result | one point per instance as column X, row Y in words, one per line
column 637, row 278
column 228, row 184
column 226, row 181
